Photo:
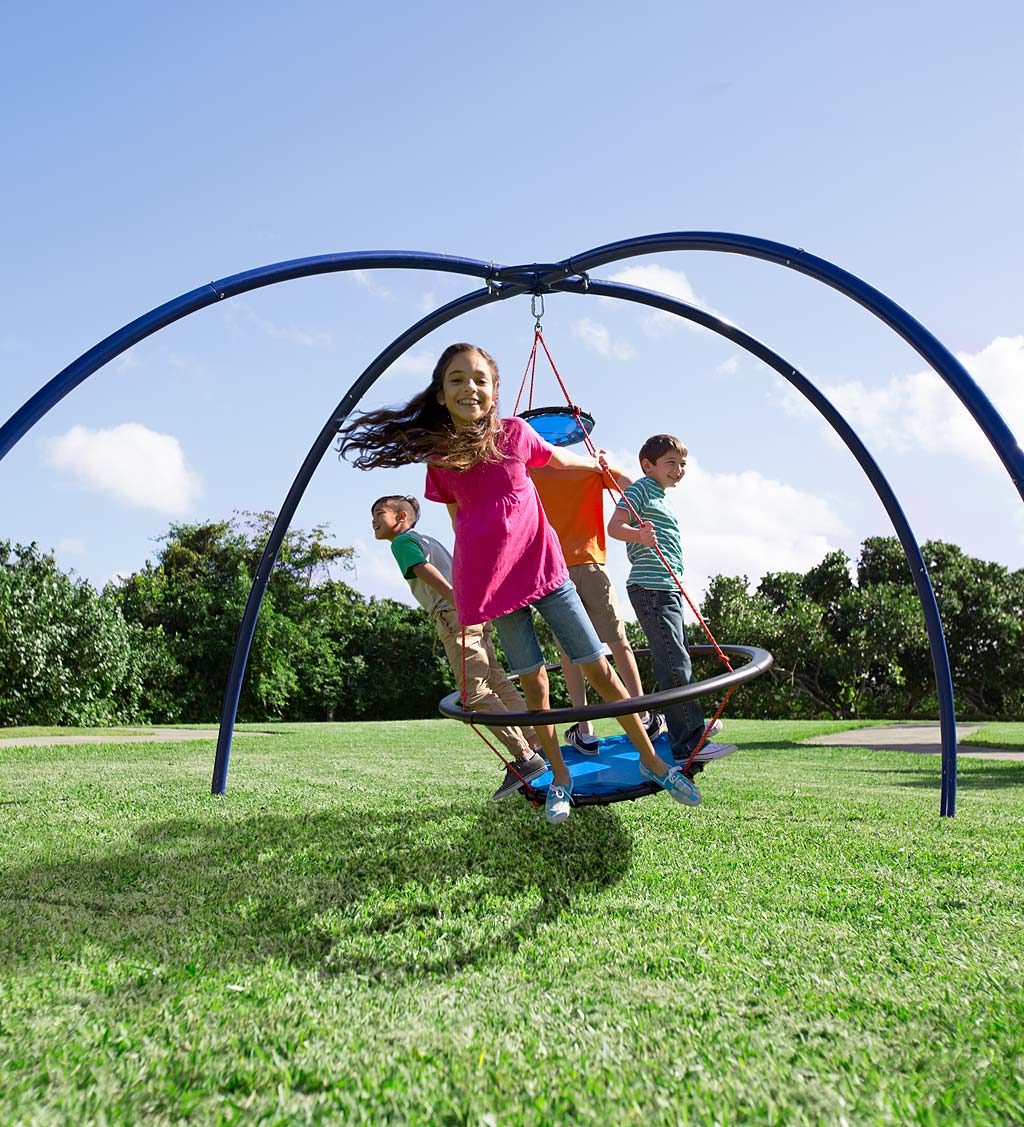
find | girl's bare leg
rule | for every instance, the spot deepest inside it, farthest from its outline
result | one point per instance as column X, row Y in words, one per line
column 535, row 689
column 625, row 666
column 577, row 687
column 609, row 687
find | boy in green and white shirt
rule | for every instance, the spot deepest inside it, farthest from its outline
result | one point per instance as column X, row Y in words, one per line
column 426, row 564
column 653, row 592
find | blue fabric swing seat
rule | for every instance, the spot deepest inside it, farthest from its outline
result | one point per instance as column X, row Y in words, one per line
column 612, row 775
column 559, row 425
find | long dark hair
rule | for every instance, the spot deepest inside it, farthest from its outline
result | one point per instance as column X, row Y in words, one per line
column 422, row 430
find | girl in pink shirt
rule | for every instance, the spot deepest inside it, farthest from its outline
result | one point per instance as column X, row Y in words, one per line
column 507, row 557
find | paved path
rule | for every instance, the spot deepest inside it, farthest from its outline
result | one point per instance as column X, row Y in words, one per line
column 924, row 739
column 125, row 736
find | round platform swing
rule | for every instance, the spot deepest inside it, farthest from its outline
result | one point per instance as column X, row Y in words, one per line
column 613, row 773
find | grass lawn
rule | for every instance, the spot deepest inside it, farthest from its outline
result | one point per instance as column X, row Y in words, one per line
column 356, row 934
column 997, row 735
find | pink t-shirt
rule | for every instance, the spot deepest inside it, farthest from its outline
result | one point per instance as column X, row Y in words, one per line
column 507, row 556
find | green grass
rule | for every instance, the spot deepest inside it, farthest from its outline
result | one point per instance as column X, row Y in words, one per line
column 355, row 934
column 1003, row 735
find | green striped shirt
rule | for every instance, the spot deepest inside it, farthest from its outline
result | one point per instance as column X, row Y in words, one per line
column 648, row 498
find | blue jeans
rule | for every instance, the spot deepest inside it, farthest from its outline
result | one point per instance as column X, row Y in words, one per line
column 564, row 613
column 660, row 614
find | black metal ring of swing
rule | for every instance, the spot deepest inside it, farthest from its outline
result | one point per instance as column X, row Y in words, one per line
column 759, row 661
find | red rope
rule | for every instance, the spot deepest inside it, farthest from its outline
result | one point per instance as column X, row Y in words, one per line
column 613, row 487
column 531, row 371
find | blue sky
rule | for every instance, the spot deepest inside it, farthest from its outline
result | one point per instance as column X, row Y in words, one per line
column 151, row 150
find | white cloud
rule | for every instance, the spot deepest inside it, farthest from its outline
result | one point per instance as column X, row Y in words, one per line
column 71, row 546
column 128, row 361
column 239, row 314
column 728, row 367
column 739, row 524
column 132, row 463
column 375, row 570
column 919, row 412
column 662, row 279
column 370, row 284
column 747, row 524
column 597, row 338
column 418, row 364
column 415, row 363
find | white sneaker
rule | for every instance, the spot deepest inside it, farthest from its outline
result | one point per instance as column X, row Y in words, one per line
column 714, row 751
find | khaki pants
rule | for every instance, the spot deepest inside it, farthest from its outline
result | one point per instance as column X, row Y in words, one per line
column 488, row 687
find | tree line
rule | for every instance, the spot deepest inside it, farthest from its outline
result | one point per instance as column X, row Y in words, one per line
column 155, row 647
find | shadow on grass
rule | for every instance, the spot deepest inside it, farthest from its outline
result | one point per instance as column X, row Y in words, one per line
column 977, row 775
column 392, row 894
column 918, row 770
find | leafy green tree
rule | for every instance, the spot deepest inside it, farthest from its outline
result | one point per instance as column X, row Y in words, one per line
column 981, row 605
column 67, row 654
column 195, row 594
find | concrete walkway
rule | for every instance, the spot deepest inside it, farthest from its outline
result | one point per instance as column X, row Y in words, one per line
column 924, row 739
column 125, row 736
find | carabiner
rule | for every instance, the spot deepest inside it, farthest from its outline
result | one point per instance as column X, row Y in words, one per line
column 533, row 310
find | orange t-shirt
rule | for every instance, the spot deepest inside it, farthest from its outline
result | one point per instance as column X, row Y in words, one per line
column 573, row 501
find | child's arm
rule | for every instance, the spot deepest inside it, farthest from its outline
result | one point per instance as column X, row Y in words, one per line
column 435, row 580
column 623, row 480
column 562, row 459
column 619, row 528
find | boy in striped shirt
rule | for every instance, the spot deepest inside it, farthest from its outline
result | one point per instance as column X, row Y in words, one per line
column 654, row 593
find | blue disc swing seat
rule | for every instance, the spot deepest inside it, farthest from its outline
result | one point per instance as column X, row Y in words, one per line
column 613, row 774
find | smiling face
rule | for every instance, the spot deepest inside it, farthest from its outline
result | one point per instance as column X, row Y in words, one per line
column 467, row 390
column 388, row 522
column 668, row 470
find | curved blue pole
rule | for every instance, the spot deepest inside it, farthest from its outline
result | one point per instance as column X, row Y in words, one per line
column 243, row 642
column 50, row 394
column 899, row 320
column 918, row 568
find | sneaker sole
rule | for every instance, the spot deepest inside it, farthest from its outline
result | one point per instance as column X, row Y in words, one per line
column 499, row 794
column 705, row 757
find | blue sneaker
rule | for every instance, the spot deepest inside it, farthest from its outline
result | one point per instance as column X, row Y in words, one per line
column 675, row 782
column 558, row 802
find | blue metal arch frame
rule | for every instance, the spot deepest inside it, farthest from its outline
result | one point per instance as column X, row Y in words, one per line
column 569, row 275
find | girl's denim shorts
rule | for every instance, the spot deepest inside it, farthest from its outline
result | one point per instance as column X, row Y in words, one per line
column 564, row 613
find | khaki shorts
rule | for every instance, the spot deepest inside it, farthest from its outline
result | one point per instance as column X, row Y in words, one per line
column 598, row 597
